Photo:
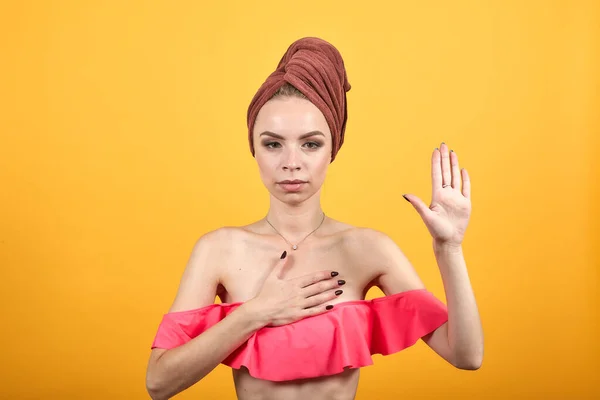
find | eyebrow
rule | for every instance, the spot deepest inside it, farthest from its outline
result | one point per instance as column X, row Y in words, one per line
column 276, row 136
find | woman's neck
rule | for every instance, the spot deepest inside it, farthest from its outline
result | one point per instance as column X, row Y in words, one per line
column 295, row 222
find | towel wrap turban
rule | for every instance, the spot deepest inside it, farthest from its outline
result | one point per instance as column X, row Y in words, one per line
column 316, row 68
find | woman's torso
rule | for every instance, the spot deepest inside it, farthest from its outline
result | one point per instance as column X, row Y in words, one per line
column 244, row 266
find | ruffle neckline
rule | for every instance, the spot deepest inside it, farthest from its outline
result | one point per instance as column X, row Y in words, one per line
column 321, row 345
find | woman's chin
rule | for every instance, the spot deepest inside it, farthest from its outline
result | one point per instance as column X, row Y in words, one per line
column 291, row 198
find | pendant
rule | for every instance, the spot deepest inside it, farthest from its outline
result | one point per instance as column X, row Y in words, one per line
column 295, row 247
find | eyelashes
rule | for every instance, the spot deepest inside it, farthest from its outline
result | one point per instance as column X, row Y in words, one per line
column 312, row 145
column 271, row 145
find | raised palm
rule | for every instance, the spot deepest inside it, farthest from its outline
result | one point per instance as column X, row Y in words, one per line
column 448, row 214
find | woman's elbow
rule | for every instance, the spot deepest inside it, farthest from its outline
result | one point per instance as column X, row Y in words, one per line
column 469, row 363
column 154, row 385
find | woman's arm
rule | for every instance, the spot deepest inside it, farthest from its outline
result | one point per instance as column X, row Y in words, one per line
column 279, row 302
column 463, row 334
column 172, row 371
column 447, row 218
column 460, row 340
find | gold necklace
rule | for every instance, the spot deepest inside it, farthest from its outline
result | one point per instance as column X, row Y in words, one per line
column 295, row 246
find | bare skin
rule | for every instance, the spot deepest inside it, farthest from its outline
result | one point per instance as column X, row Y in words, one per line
column 240, row 274
column 356, row 254
column 242, row 264
column 241, row 280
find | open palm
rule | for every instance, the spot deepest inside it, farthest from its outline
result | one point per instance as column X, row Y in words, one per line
column 448, row 215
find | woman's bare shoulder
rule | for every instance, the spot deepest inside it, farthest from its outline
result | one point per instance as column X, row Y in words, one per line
column 360, row 236
column 225, row 239
column 367, row 245
column 225, row 234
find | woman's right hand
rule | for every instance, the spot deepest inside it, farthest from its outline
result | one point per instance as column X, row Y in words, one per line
column 283, row 301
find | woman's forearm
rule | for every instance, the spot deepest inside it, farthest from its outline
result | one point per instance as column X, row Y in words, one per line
column 181, row 367
column 465, row 333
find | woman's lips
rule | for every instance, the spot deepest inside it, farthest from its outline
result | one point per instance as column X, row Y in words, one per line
column 292, row 187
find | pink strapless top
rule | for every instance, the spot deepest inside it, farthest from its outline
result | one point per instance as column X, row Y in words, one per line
column 321, row 345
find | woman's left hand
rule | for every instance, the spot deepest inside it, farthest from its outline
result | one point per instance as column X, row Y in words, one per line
column 448, row 215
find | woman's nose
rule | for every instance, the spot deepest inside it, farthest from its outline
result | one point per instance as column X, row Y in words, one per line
column 291, row 160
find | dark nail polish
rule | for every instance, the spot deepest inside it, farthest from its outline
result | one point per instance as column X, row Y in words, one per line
column 283, row 255
column 405, row 198
column 334, row 274
column 451, row 151
column 329, row 307
column 338, row 292
column 436, row 148
column 341, row 282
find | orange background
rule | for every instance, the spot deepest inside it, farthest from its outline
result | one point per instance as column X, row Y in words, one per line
column 123, row 139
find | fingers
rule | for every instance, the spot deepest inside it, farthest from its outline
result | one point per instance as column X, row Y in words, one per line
column 445, row 165
column 466, row 189
column 312, row 278
column 322, row 286
column 279, row 269
column 418, row 204
column 312, row 311
column 322, row 298
column 445, row 169
column 455, row 170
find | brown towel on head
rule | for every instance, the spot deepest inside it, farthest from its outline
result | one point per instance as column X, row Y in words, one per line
column 315, row 68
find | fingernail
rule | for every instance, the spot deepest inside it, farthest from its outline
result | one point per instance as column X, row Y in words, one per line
column 334, row 273
column 405, row 198
column 338, row 292
column 329, row 307
column 283, row 255
column 436, row 148
column 451, row 151
column 443, row 142
column 341, row 282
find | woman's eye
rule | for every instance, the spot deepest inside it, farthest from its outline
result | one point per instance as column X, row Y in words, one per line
column 313, row 145
column 275, row 145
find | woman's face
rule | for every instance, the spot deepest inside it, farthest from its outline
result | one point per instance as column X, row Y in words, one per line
column 292, row 145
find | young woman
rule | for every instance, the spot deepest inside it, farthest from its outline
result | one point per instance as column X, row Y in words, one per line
column 293, row 322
